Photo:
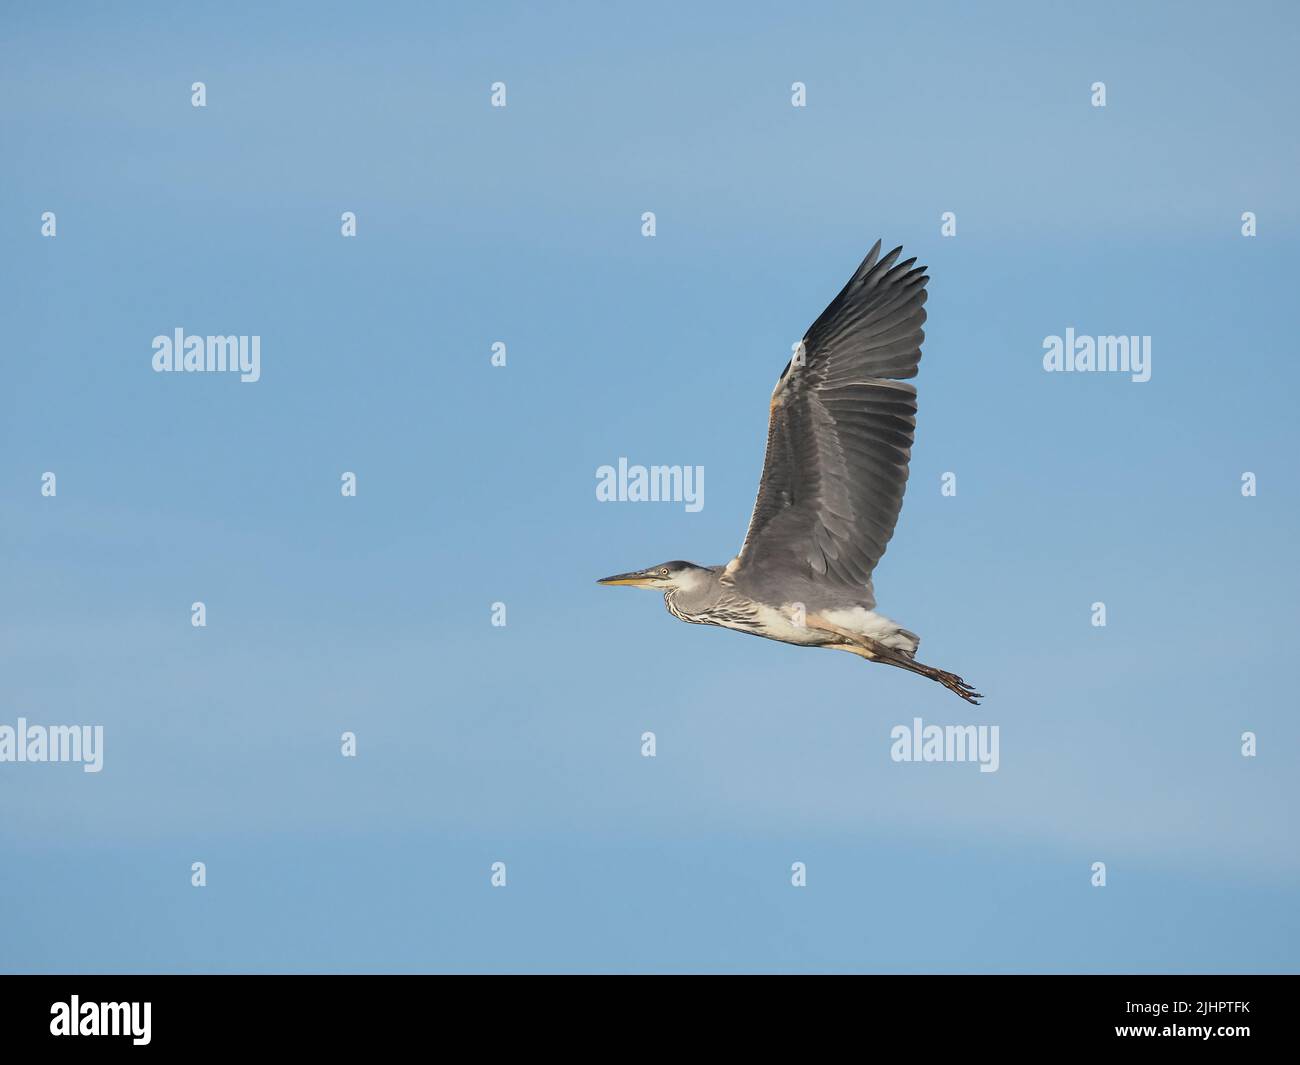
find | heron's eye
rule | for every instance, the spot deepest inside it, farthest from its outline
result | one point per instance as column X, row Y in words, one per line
column 663, row 572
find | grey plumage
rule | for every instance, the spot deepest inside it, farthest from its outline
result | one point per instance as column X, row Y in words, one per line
column 839, row 441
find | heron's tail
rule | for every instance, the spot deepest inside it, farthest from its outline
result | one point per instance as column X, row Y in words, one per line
column 904, row 641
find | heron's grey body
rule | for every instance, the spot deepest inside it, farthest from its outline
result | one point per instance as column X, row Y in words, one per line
column 839, row 440
column 705, row 595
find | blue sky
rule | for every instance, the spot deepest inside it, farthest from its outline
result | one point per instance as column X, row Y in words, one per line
column 477, row 484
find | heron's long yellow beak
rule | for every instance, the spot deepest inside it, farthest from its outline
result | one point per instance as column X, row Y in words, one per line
column 639, row 579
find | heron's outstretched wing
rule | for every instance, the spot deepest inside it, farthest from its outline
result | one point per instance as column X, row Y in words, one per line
column 839, row 437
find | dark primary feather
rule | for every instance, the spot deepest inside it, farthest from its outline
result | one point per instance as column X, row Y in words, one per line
column 839, row 438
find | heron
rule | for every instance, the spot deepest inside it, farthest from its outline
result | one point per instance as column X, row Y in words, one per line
column 839, row 439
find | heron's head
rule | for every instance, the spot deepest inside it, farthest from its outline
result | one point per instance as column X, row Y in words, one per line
column 665, row 577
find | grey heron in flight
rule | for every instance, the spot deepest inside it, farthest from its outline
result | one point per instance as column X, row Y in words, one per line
column 839, row 438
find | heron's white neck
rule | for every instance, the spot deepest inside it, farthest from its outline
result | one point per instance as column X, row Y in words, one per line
column 691, row 580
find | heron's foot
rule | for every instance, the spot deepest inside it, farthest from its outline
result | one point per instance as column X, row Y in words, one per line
column 955, row 684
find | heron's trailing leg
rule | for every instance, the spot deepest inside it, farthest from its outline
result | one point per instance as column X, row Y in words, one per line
column 876, row 652
column 950, row 681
